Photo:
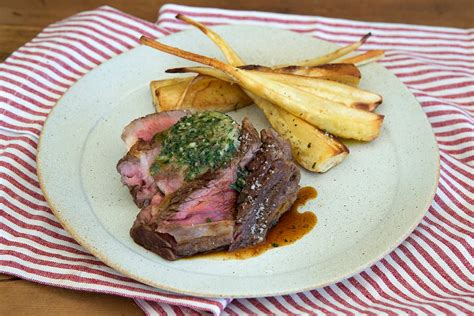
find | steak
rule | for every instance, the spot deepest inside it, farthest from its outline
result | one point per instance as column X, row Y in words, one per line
column 198, row 217
column 270, row 190
column 227, row 207
column 146, row 127
column 134, row 167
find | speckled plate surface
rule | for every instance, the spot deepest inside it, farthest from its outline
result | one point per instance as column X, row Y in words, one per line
column 366, row 206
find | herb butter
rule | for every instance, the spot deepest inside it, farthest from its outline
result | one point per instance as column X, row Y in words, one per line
column 198, row 143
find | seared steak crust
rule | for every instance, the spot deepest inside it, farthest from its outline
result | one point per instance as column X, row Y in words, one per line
column 270, row 190
column 168, row 248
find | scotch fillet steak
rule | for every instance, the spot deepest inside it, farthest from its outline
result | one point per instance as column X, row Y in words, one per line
column 270, row 189
column 204, row 183
column 143, row 148
column 200, row 216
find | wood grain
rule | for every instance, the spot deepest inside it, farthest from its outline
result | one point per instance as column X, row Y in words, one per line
column 20, row 297
column 13, row 36
column 456, row 13
column 21, row 20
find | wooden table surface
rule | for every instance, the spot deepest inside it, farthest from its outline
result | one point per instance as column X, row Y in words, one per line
column 21, row 20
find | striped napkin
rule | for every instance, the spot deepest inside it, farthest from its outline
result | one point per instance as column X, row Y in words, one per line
column 430, row 273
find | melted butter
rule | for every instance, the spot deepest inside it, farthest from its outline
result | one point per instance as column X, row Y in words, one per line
column 292, row 226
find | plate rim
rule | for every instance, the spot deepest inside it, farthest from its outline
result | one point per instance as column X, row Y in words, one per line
column 116, row 266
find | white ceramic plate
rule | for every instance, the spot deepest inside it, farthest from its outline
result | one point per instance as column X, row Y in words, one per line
column 366, row 206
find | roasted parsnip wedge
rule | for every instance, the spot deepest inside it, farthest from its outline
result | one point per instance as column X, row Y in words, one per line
column 313, row 149
column 169, row 91
column 349, row 75
column 333, row 117
column 201, row 93
column 343, row 73
column 327, row 89
column 365, row 58
column 166, row 82
column 330, row 90
column 338, row 53
column 178, row 84
column 228, row 52
column 235, row 60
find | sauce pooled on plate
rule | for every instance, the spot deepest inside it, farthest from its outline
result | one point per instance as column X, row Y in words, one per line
column 292, row 226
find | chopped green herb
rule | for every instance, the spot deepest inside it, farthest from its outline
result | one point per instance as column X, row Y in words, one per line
column 239, row 184
column 208, row 220
column 158, row 136
column 154, row 168
column 275, row 245
column 198, row 143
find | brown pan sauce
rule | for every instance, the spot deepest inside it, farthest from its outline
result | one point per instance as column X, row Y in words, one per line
column 293, row 225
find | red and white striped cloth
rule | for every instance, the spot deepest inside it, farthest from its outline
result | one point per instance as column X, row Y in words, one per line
column 430, row 273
